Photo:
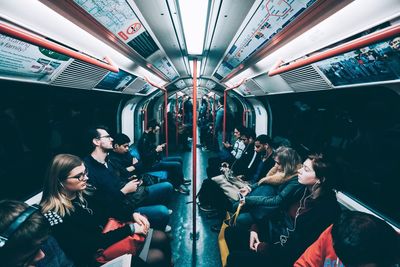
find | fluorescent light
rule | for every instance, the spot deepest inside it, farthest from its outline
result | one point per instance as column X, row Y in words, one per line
column 194, row 19
column 191, row 68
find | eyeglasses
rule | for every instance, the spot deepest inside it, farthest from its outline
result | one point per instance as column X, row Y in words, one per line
column 80, row 176
column 105, row 136
column 258, row 146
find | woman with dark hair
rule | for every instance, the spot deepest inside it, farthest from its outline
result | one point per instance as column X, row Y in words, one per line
column 281, row 239
column 77, row 225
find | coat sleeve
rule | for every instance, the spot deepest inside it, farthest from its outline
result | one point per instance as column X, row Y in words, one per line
column 314, row 256
column 282, row 196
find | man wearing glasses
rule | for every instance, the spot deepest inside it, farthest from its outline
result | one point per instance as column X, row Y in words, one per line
column 115, row 193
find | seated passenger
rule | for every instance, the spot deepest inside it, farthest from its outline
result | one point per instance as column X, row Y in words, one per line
column 124, row 164
column 281, row 239
column 263, row 160
column 150, row 155
column 229, row 154
column 357, row 239
column 149, row 200
column 23, row 229
column 241, row 167
column 279, row 189
column 77, row 222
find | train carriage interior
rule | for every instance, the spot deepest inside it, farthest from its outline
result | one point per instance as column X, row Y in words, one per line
column 314, row 75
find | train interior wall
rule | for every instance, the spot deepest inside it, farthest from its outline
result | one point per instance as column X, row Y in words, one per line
column 38, row 122
column 360, row 126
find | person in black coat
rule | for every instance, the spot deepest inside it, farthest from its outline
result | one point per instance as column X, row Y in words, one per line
column 77, row 221
column 281, row 239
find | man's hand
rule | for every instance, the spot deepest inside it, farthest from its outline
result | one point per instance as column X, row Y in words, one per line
column 159, row 148
column 134, row 161
column 226, row 145
column 130, row 187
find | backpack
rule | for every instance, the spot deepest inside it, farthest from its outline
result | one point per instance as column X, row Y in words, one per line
column 211, row 194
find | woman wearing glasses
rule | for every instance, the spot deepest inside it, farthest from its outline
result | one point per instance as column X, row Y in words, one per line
column 77, row 226
column 278, row 189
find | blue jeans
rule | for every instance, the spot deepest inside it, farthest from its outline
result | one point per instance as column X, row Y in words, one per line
column 156, row 214
column 154, row 207
column 173, row 165
column 159, row 194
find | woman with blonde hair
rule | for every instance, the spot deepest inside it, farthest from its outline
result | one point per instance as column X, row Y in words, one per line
column 80, row 216
column 274, row 191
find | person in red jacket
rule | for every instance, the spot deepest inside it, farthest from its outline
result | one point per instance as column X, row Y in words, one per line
column 358, row 240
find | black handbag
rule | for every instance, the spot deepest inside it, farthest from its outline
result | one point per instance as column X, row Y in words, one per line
column 149, row 179
column 135, row 199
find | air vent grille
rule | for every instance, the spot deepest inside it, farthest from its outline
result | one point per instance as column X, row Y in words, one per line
column 79, row 75
column 305, row 79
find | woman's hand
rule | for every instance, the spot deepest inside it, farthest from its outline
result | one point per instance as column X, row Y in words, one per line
column 141, row 220
column 254, row 241
column 244, row 191
column 140, row 229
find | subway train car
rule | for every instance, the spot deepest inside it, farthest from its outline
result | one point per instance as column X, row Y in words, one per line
column 318, row 76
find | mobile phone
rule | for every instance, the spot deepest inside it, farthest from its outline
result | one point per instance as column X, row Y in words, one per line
column 241, row 197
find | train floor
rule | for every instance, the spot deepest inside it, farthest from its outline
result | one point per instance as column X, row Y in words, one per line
column 206, row 252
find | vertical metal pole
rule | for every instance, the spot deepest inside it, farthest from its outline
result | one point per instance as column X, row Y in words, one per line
column 213, row 111
column 166, row 121
column 194, row 153
column 176, row 121
column 145, row 118
column 224, row 123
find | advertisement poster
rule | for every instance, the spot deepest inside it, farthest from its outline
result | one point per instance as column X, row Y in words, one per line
column 146, row 90
column 374, row 63
column 270, row 18
column 165, row 67
column 116, row 15
column 19, row 59
column 116, row 81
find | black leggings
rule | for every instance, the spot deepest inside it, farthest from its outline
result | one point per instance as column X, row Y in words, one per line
column 237, row 239
column 159, row 253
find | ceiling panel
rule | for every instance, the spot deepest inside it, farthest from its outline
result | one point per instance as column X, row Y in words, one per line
column 159, row 16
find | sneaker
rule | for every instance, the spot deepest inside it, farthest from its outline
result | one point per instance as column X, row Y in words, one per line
column 168, row 229
column 169, row 211
column 187, row 181
column 183, row 190
column 206, row 208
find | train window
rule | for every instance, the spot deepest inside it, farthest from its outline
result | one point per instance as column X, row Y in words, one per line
column 37, row 123
column 360, row 128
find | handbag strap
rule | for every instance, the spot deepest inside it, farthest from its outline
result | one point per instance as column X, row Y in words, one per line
column 236, row 214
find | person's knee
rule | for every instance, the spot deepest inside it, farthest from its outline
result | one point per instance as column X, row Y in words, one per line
column 163, row 213
column 167, row 187
column 159, row 239
column 155, row 257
